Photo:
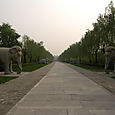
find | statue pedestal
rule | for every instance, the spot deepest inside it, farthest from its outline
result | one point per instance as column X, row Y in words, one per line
column 14, row 74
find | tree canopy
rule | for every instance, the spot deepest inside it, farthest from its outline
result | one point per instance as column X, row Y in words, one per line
column 8, row 36
column 89, row 48
column 34, row 51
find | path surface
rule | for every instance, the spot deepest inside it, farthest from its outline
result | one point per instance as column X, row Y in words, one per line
column 14, row 90
column 63, row 91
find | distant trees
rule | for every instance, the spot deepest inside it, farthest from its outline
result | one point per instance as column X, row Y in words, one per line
column 89, row 49
column 32, row 51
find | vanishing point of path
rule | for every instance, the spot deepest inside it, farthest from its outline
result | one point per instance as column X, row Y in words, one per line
column 63, row 91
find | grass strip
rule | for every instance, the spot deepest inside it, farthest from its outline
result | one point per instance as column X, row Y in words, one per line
column 91, row 67
column 28, row 67
column 4, row 79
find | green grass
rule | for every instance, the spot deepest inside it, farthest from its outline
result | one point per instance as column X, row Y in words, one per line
column 113, row 77
column 4, row 79
column 25, row 68
column 28, row 67
column 95, row 68
column 91, row 67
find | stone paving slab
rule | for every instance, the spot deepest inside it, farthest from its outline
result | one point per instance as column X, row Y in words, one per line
column 63, row 91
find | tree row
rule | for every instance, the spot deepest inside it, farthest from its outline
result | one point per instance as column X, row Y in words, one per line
column 32, row 51
column 90, row 49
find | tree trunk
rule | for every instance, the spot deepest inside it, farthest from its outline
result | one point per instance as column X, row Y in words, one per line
column 90, row 60
column 38, row 59
column 79, row 60
column 30, row 58
column 25, row 57
column 96, row 61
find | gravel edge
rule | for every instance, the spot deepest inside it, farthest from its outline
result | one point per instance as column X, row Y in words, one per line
column 100, row 78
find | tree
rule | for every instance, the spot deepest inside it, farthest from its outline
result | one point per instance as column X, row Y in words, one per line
column 24, row 47
column 34, row 51
column 8, row 36
column 89, row 49
column 109, row 17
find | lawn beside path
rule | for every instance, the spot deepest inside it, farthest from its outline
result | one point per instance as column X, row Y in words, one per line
column 25, row 68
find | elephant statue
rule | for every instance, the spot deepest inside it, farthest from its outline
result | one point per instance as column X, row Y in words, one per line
column 109, row 56
column 43, row 61
column 7, row 55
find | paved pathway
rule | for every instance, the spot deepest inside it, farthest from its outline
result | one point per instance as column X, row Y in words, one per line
column 63, row 91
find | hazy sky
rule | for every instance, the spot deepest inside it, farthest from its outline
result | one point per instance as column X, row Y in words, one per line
column 58, row 23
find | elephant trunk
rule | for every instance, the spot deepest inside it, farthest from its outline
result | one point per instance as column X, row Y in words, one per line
column 19, row 66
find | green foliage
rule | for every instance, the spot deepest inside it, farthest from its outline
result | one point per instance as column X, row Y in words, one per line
column 90, row 48
column 33, row 52
column 8, row 36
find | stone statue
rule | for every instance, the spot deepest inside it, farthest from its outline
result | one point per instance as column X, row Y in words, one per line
column 7, row 55
column 109, row 56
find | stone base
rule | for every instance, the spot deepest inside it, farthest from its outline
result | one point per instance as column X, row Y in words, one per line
column 13, row 74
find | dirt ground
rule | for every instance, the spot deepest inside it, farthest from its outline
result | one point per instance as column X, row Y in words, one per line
column 12, row 91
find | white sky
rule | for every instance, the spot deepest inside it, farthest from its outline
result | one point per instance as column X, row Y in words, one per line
column 58, row 23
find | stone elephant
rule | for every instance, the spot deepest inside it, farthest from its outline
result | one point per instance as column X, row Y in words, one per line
column 109, row 56
column 7, row 55
column 43, row 61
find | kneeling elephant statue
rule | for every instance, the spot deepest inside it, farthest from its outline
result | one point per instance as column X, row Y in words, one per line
column 109, row 56
column 7, row 55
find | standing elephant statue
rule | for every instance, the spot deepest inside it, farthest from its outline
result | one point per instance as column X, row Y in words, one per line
column 7, row 55
column 109, row 56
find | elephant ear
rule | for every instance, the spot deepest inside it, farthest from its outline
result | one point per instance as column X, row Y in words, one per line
column 13, row 50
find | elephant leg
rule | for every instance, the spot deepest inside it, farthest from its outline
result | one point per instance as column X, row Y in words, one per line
column 7, row 69
column 107, row 61
column 10, row 67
